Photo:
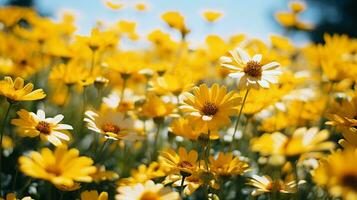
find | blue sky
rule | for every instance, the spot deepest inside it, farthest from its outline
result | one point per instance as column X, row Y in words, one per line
column 252, row 17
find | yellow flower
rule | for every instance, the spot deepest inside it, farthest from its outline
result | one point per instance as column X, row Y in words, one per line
column 175, row 20
column 155, row 107
column 140, row 7
column 146, row 191
column 302, row 141
column 16, row 91
column 183, row 162
column 338, row 173
column 211, row 106
column 342, row 114
column 7, row 142
column 227, row 165
column 50, row 129
column 93, row 195
column 67, row 188
column 127, row 28
column 103, row 175
column 61, row 167
column 186, row 128
column 143, row 173
column 12, row 196
column 69, row 74
column 172, row 83
column 212, row 16
column 264, row 184
column 250, row 72
column 297, row 6
column 113, row 5
column 112, row 124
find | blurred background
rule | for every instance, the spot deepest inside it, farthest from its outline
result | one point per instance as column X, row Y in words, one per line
column 254, row 17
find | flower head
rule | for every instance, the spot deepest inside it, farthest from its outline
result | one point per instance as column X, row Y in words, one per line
column 146, row 191
column 36, row 124
column 249, row 71
column 183, row 162
column 227, row 165
column 17, row 91
column 61, row 167
column 211, row 106
column 93, row 195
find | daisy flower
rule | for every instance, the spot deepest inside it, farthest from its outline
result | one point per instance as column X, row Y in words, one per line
column 50, row 129
column 148, row 190
column 112, row 124
column 249, row 71
column 17, row 91
column 60, row 167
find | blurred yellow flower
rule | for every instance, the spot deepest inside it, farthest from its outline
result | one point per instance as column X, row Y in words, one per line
column 338, row 173
column 212, row 16
column 184, row 163
column 36, row 124
column 93, row 195
column 302, row 141
column 186, row 128
column 61, row 167
column 17, row 91
column 155, row 107
column 12, row 196
column 147, row 190
column 143, row 173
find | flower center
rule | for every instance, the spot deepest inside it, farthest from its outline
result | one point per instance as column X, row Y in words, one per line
column 44, row 127
column 209, row 109
column 54, row 170
column 253, row 69
column 148, row 195
column 110, row 127
column 350, row 180
column 185, row 164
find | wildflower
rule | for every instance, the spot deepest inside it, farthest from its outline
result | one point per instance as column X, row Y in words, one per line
column 50, row 129
column 112, row 124
column 212, row 16
column 113, row 6
column 302, row 141
column 184, row 162
column 61, row 167
column 12, row 196
column 249, row 71
column 155, row 107
column 17, row 91
column 343, row 115
column 93, row 195
column 102, row 174
column 338, row 174
column 211, row 106
column 264, row 184
column 172, row 83
column 144, row 173
column 227, row 165
column 176, row 20
column 140, row 7
column 147, row 190
column 186, row 128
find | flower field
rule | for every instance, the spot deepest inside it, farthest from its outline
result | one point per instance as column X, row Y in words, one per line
column 84, row 117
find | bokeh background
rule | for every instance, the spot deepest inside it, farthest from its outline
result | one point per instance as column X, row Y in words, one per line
column 254, row 17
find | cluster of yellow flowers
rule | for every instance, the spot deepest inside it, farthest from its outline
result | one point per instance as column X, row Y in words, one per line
column 228, row 119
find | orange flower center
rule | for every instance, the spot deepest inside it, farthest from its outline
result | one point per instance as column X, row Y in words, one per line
column 253, row 69
column 148, row 195
column 209, row 109
column 54, row 170
column 110, row 127
column 44, row 127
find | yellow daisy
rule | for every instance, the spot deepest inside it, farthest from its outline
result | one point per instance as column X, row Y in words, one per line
column 227, row 165
column 50, row 129
column 17, row 91
column 249, row 71
column 148, row 190
column 183, row 162
column 211, row 106
column 61, row 167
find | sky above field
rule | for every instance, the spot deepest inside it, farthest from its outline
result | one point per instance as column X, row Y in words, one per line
column 252, row 17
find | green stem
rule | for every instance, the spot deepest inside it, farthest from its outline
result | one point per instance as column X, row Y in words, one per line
column 182, row 186
column 238, row 119
column 122, row 91
column 297, row 195
column 156, row 140
column 1, row 137
column 100, row 152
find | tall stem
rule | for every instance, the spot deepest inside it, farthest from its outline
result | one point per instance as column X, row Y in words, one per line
column 182, row 186
column 238, row 119
column 93, row 62
column 156, row 140
column 1, row 137
column 122, row 91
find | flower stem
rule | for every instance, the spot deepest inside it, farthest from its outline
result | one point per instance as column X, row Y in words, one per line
column 182, row 186
column 122, row 91
column 156, row 140
column 1, row 137
column 238, row 119
column 93, row 60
